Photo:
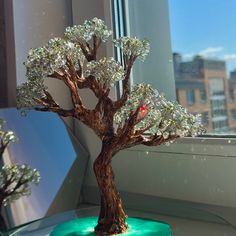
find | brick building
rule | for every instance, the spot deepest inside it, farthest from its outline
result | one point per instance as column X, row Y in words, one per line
column 203, row 87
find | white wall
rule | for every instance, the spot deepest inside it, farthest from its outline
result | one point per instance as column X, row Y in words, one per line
column 35, row 22
column 181, row 171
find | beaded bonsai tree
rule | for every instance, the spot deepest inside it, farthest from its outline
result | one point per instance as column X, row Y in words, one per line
column 140, row 116
column 15, row 179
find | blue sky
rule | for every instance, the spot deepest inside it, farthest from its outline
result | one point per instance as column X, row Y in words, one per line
column 206, row 27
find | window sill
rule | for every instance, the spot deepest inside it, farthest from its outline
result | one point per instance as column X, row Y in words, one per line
column 199, row 146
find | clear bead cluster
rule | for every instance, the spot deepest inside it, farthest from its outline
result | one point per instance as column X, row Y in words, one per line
column 106, row 70
column 164, row 118
column 87, row 30
column 2, row 122
column 133, row 46
column 44, row 61
column 6, row 136
column 15, row 181
column 27, row 92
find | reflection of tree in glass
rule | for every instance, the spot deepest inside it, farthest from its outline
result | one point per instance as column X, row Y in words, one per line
column 15, row 180
column 5, row 137
column 139, row 116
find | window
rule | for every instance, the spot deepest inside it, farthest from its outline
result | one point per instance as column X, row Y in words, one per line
column 157, row 69
column 205, row 118
column 233, row 114
column 218, row 108
column 204, row 75
column 203, row 96
column 220, row 125
column 205, row 58
column 216, row 86
column 190, row 96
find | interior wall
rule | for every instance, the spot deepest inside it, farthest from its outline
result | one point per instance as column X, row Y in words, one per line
column 35, row 22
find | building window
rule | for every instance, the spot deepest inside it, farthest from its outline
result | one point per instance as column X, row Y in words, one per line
column 231, row 95
column 218, row 108
column 220, row 126
column 190, row 96
column 233, row 114
column 216, row 86
column 205, row 118
column 203, row 95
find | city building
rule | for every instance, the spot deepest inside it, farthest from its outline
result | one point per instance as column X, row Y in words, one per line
column 202, row 85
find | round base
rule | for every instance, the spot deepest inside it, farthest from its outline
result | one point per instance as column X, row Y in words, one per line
column 137, row 226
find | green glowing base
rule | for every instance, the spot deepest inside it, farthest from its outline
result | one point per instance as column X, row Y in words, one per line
column 137, row 226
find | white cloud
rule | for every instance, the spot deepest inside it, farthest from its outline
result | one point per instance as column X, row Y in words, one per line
column 188, row 55
column 230, row 57
column 207, row 52
column 210, row 51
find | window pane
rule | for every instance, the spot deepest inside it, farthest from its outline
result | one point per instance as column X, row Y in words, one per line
column 190, row 96
column 151, row 21
column 203, row 95
column 204, row 58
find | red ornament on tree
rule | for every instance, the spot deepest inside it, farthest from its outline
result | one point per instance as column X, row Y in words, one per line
column 143, row 110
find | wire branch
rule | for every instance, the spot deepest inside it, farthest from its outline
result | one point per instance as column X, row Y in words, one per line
column 57, row 75
column 47, row 105
column 126, row 86
column 2, row 148
column 142, row 131
column 90, row 52
column 155, row 140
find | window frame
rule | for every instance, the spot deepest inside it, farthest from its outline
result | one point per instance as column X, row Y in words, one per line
column 7, row 55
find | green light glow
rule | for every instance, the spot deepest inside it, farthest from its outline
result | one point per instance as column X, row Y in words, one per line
column 137, row 226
